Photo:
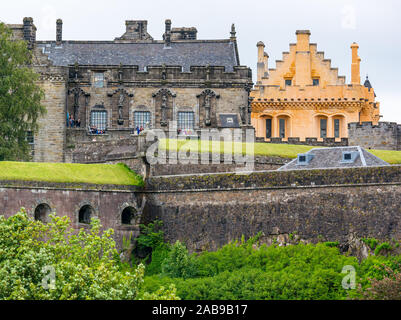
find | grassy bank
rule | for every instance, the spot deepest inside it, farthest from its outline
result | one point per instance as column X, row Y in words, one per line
column 118, row 174
column 260, row 149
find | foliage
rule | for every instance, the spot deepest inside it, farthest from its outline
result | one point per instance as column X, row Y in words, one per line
column 159, row 254
column 20, row 97
column 243, row 270
column 83, row 264
column 370, row 242
column 161, row 294
column 332, row 244
column 387, row 288
column 151, row 235
column 179, row 263
column 383, row 248
column 118, row 174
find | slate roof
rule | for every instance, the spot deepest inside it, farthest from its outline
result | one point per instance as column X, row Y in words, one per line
column 324, row 158
column 367, row 84
column 142, row 54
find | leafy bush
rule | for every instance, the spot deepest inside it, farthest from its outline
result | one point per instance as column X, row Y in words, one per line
column 53, row 261
column 387, row 288
column 383, row 248
column 179, row 263
column 371, row 242
column 241, row 270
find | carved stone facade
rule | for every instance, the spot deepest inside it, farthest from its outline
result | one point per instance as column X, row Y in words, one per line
column 113, row 88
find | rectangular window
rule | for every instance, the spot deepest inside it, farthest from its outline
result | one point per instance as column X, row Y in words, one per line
column 315, row 82
column 288, row 82
column 99, row 120
column 141, row 119
column 186, row 120
column 282, row 128
column 337, row 128
column 268, row 128
column 31, row 141
column 323, row 128
column 98, row 79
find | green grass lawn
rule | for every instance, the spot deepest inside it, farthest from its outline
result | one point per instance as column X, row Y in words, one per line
column 263, row 149
column 117, row 174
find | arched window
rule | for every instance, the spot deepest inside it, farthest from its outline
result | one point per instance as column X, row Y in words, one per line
column 85, row 214
column 127, row 215
column 42, row 212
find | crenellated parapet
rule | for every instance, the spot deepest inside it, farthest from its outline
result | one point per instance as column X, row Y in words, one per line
column 384, row 135
column 215, row 76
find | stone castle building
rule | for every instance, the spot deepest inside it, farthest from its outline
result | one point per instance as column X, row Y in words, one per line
column 114, row 87
column 304, row 96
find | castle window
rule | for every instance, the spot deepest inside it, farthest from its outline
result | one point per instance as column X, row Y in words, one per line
column 127, row 215
column 85, row 214
column 42, row 212
column 282, row 128
column 99, row 119
column 31, row 141
column 268, row 128
column 315, row 82
column 98, row 79
column 336, row 128
column 288, row 82
column 323, row 128
column 186, row 120
column 141, row 119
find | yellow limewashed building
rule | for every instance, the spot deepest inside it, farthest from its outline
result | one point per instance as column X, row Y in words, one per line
column 304, row 97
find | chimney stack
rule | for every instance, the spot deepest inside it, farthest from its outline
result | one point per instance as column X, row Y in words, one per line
column 261, row 65
column 59, row 31
column 355, row 65
column 29, row 32
column 266, row 62
column 303, row 73
column 167, row 33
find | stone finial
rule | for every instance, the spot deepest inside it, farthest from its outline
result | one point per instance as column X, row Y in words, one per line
column 233, row 32
column 59, row 31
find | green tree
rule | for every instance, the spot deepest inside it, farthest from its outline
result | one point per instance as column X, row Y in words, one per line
column 179, row 263
column 20, row 97
column 52, row 261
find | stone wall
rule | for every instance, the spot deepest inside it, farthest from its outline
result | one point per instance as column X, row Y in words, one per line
column 320, row 205
column 49, row 142
column 108, row 202
column 384, row 136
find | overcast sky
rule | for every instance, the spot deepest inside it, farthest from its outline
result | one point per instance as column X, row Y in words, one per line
column 334, row 24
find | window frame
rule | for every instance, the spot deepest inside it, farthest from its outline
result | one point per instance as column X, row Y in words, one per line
column 190, row 122
column 91, row 124
column 148, row 113
column 97, row 83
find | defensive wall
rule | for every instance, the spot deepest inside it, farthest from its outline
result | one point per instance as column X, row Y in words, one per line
column 207, row 211
column 384, row 135
column 107, row 202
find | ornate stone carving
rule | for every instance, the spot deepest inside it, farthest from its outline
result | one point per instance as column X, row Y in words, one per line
column 78, row 92
column 164, row 95
column 121, row 100
column 208, row 95
column 242, row 112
